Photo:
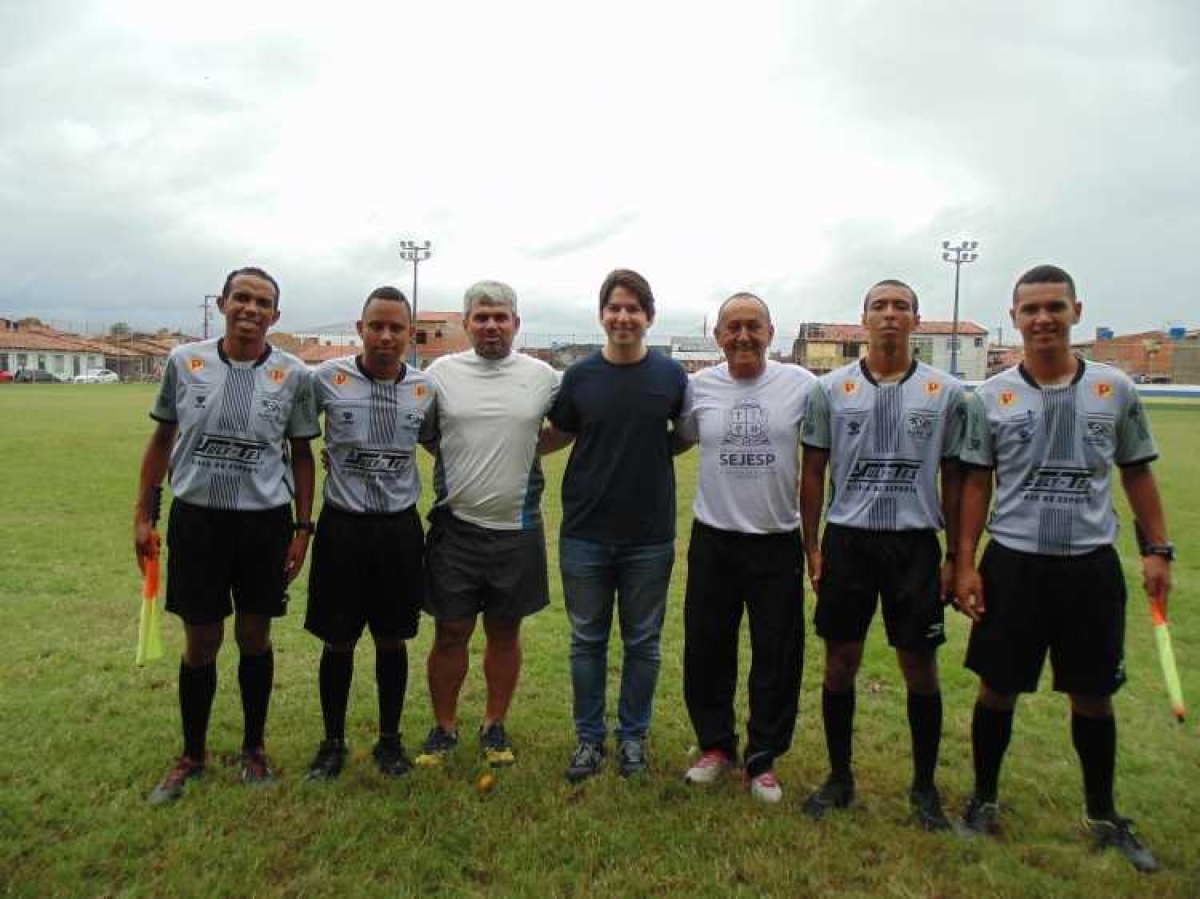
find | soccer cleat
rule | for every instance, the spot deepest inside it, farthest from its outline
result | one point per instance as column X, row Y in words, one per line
column 497, row 748
column 708, row 768
column 765, row 787
column 631, row 757
column 586, row 761
column 390, row 758
column 328, row 762
column 1117, row 832
column 437, row 744
column 834, row 793
column 981, row 818
column 256, row 768
column 927, row 809
column 172, row 786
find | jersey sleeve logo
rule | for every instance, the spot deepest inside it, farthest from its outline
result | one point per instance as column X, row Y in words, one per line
column 1104, row 390
column 1007, row 398
column 277, row 375
column 340, row 378
column 419, row 391
column 849, row 387
column 933, row 388
column 195, row 364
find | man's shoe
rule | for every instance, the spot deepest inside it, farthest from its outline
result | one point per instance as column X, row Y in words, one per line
column 390, row 758
column 256, row 768
column 765, row 787
column 631, row 757
column 927, row 809
column 834, row 793
column 329, row 761
column 437, row 744
column 1117, row 832
column 497, row 748
column 981, row 818
column 586, row 761
column 708, row 768
column 172, row 786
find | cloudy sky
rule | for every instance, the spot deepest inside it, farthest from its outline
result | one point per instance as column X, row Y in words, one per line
column 801, row 150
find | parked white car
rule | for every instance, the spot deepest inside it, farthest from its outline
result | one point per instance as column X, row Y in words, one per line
column 97, row 376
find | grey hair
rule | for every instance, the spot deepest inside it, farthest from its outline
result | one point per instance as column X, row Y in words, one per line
column 489, row 293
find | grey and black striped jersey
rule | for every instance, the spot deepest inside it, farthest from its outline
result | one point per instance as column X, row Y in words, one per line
column 1053, row 449
column 371, row 431
column 886, row 443
column 234, row 421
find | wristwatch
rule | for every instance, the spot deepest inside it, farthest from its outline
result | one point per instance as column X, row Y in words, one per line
column 303, row 526
column 1166, row 550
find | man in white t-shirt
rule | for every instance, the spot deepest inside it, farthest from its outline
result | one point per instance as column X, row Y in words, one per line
column 486, row 551
column 745, row 553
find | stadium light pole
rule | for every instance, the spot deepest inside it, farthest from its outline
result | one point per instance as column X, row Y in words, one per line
column 416, row 253
column 957, row 254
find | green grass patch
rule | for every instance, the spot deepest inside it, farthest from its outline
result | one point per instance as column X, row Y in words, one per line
column 87, row 734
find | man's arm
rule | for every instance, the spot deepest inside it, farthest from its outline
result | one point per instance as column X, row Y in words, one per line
column 155, row 460
column 551, row 439
column 976, row 497
column 304, row 476
column 812, row 501
column 952, row 478
column 1142, row 491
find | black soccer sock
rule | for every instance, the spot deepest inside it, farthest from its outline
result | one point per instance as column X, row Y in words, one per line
column 991, row 729
column 391, row 678
column 335, row 674
column 1095, row 740
column 925, row 725
column 197, row 687
column 255, row 676
column 837, row 710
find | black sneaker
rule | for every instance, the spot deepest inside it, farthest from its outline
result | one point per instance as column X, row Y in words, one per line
column 927, row 809
column 496, row 746
column 256, row 768
column 981, row 818
column 390, row 758
column 586, row 761
column 1117, row 832
column 329, row 760
column 631, row 757
column 172, row 786
column 437, row 744
column 834, row 793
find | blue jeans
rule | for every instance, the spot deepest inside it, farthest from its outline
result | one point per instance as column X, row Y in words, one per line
column 635, row 578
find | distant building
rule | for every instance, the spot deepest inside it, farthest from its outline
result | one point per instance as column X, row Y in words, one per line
column 1145, row 356
column 1000, row 358
column 436, row 334
column 695, row 353
column 821, row 347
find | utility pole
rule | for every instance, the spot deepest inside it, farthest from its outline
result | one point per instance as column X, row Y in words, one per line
column 957, row 254
column 416, row 253
column 208, row 310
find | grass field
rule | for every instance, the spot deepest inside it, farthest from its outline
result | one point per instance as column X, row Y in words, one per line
column 86, row 734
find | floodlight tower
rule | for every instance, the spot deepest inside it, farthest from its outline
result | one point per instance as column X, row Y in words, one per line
column 416, row 253
column 957, row 254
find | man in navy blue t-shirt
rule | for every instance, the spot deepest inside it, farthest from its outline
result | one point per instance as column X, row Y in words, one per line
column 617, row 544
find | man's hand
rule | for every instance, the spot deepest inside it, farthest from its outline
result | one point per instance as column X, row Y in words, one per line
column 968, row 592
column 813, row 557
column 946, row 582
column 1156, row 578
column 297, row 550
column 145, row 542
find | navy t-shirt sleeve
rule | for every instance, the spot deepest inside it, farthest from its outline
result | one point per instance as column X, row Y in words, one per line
column 563, row 413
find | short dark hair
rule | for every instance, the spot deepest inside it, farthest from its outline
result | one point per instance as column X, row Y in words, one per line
column 1045, row 274
column 255, row 271
column 634, row 283
column 389, row 293
column 892, row 282
column 743, row 295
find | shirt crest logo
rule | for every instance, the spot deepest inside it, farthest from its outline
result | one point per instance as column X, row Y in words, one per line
column 849, row 387
column 1104, row 390
column 339, row 379
column 933, row 388
column 195, row 364
column 1007, row 398
column 277, row 375
column 746, row 424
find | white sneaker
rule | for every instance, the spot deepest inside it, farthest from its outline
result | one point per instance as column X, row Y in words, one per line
column 765, row 787
column 708, row 768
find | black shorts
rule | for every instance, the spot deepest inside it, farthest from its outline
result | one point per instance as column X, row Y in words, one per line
column 219, row 560
column 902, row 568
column 1073, row 606
column 366, row 570
column 469, row 570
